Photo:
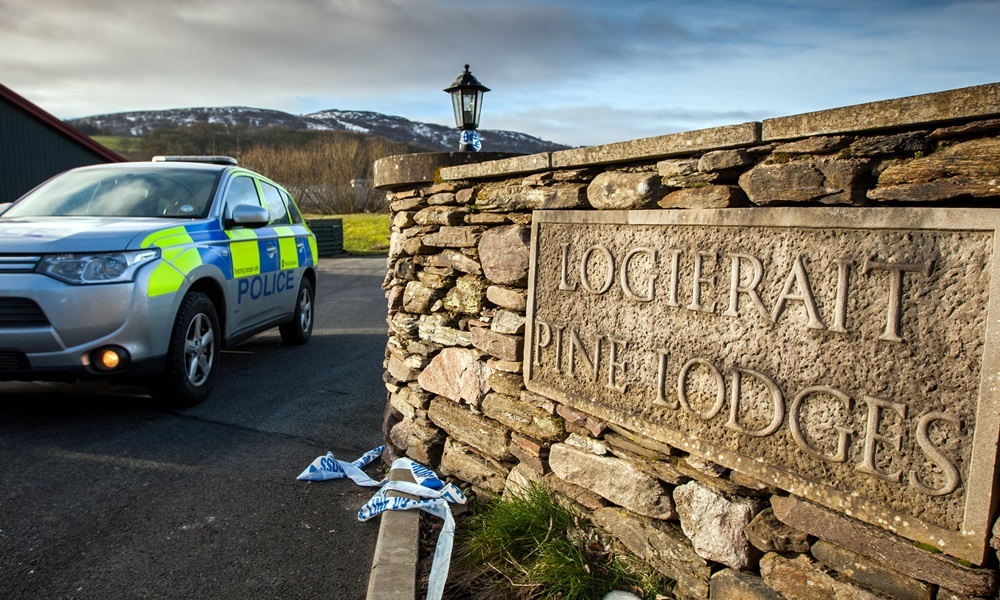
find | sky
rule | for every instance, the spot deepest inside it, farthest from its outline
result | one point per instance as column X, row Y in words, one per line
column 576, row 72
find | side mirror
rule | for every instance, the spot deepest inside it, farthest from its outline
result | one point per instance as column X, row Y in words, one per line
column 4, row 206
column 246, row 215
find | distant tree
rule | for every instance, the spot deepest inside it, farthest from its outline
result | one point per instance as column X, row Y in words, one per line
column 317, row 167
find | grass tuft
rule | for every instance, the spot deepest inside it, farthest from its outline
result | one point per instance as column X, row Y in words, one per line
column 529, row 546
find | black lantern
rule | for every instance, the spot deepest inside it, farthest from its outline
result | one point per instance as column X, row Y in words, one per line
column 467, row 101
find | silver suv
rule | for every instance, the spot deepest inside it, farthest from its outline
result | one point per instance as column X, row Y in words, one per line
column 143, row 272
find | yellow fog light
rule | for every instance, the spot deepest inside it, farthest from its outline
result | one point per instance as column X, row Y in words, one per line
column 109, row 358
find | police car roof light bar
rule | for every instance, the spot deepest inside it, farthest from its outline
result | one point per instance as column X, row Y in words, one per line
column 215, row 160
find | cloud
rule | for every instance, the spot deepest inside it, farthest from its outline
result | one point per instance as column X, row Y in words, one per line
column 574, row 71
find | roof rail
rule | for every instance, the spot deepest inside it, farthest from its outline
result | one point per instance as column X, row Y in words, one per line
column 215, row 160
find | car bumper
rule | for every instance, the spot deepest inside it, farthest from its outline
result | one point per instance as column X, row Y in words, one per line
column 66, row 323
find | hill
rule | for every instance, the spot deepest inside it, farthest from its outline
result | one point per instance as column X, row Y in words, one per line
column 426, row 135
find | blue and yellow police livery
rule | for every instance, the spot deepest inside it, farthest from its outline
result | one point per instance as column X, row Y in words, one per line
column 145, row 271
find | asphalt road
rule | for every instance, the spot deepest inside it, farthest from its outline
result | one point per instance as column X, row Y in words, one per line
column 103, row 496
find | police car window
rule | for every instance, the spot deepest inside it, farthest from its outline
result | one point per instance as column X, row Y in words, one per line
column 121, row 192
column 241, row 191
column 275, row 205
column 293, row 210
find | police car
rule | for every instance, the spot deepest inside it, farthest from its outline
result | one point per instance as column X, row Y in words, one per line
column 143, row 272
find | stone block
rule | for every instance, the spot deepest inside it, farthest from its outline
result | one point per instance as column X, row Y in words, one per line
column 768, row 534
column 509, row 322
column 455, row 260
column 515, row 299
column 400, row 371
column 509, row 384
column 441, row 215
column 870, row 573
column 728, row 584
column 815, row 145
column 616, row 190
column 614, row 479
column 910, row 143
column 457, row 374
column 663, row 546
column 618, row 441
column 580, row 422
column 461, row 236
column 708, row 196
column 532, row 454
column 418, row 298
column 520, row 478
column 441, row 329
column 715, row 524
column 823, row 180
column 485, row 435
column 460, row 462
column 441, row 198
column 504, row 254
column 522, row 417
column 802, row 579
column 502, row 346
column 586, row 444
column 721, row 160
column 966, row 169
column 895, row 552
column 467, row 296
column 577, row 494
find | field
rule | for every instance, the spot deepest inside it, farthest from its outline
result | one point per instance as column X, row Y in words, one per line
column 365, row 233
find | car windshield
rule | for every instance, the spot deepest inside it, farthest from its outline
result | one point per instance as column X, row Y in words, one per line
column 116, row 192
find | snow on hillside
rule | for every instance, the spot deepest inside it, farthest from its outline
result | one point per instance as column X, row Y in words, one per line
column 431, row 136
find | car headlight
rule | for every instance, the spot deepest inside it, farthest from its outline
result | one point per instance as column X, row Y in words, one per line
column 106, row 267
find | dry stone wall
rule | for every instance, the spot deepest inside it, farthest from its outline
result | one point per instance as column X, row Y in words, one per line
column 459, row 313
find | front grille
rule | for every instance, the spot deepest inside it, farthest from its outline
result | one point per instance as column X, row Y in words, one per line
column 21, row 312
column 12, row 263
column 12, row 360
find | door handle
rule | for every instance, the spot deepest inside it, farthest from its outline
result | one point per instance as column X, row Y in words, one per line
column 271, row 250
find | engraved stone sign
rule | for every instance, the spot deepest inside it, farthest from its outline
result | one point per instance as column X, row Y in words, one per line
column 848, row 356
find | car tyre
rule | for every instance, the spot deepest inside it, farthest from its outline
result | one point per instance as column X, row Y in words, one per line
column 193, row 354
column 298, row 331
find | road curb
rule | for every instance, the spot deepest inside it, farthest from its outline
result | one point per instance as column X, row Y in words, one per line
column 394, row 567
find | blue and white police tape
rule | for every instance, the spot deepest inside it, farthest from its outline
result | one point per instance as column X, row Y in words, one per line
column 434, row 497
column 327, row 467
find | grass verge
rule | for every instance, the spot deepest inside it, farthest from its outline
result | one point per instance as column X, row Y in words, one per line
column 531, row 547
column 364, row 233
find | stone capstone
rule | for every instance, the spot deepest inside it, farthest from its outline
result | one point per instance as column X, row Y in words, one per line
column 504, row 254
column 614, row 479
column 715, row 524
column 663, row 546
